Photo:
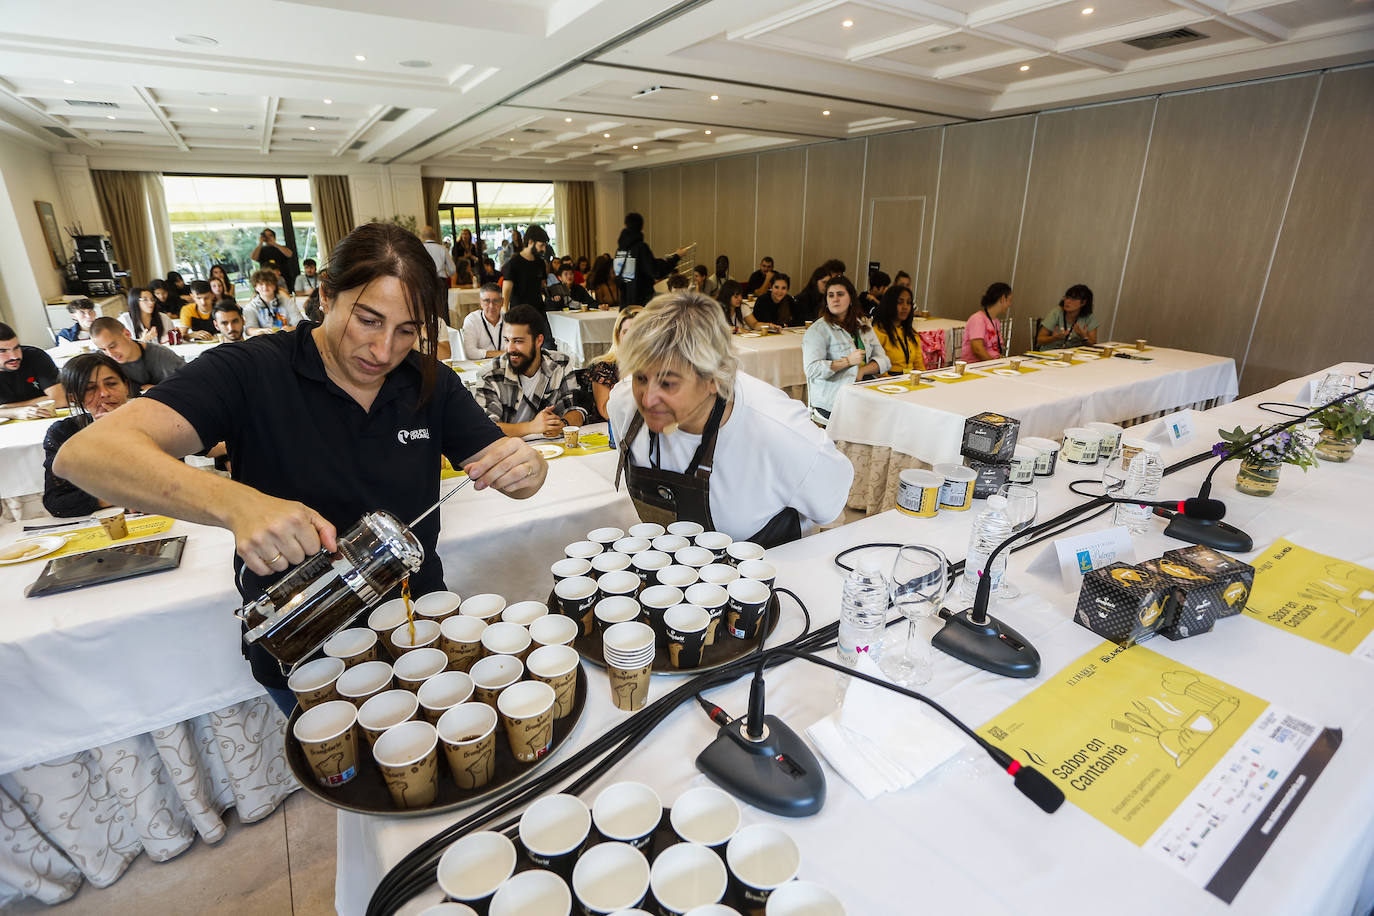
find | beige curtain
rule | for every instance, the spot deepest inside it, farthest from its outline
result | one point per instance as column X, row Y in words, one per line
column 433, row 189
column 163, row 254
column 333, row 206
column 574, row 204
column 123, row 201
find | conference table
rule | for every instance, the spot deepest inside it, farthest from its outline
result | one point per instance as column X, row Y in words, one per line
column 961, row 839
column 461, row 303
column 886, row 427
column 774, row 358
column 582, row 335
column 131, row 721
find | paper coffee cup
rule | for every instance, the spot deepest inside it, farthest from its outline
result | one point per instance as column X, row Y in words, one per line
column 468, row 735
column 442, row 692
column 384, row 619
column 353, row 646
column 524, row 612
column 327, row 736
column 554, row 630
column 556, row 666
column 494, row 674
column 388, row 708
column 686, row 529
column 620, row 582
column 582, row 550
column 569, row 567
column 627, row 812
column 694, row 557
column 460, row 638
column 112, row 520
column 748, row 601
column 718, row 574
column 506, row 639
column 715, row 541
column 553, row 831
column 712, row 599
column 361, row 682
column 570, row 436
column 437, row 605
column 314, row 682
column 670, row 543
column 486, row 607
column 1015, row 362
column 403, row 640
column 417, row 666
column 960, row 366
column 616, row 609
column 957, row 491
column 761, row 858
column 647, row 563
column 677, row 576
column 686, row 626
column 526, row 711
column 1140, row 343
column 609, row 561
column 739, row 551
column 685, row 876
column 471, row 870
column 631, row 545
column 656, row 599
column 629, row 652
column 803, row 898
column 610, row 877
column 576, row 598
column 605, row 536
column 705, row 815
column 761, row 570
column 532, row 893
column 648, row 530
column 1132, row 447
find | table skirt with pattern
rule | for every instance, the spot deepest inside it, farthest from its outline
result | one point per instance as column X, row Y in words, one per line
column 88, row 816
column 877, row 470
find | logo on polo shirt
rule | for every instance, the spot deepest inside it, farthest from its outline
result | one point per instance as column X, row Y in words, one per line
column 410, row 435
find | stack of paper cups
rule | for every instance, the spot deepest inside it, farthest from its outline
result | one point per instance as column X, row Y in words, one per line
column 629, row 652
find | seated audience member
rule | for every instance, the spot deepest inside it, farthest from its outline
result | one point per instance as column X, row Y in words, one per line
column 226, row 289
column 145, row 364
column 566, row 294
column 271, row 308
column 217, row 287
column 95, row 386
column 604, row 373
column 489, row 273
column 775, row 305
column 145, row 318
column 602, row 282
column 83, row 311
column 310, row 308
column 839, row 348
column 197, row 319
column 722, row 271
column 702, row 281
column 902, row 279
column 177, row 289
column 878, row 282
column 483, row 328
column 1072, row 324
column 676, row 281
column 893, row 327
column 583, row 270
column 983, row 330
column 810, row 302
column 228, row 319
column 739, row 314
column 309, row 280
column 464, row 275
column 527, row 389
column 702, row 441
column 167, row 303
column 27, row 377
column 760, row 280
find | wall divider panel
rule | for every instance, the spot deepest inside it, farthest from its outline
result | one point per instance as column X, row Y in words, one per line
column 778, row 233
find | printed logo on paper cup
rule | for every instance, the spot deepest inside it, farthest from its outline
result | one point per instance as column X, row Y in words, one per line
column 339, row 779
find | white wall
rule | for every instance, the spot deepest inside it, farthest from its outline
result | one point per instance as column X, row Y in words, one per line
column 27, row 275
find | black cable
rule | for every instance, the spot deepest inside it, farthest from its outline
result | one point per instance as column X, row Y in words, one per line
column 1272, row 407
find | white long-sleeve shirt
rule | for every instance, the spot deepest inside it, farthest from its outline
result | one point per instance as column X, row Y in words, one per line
column 480, row 335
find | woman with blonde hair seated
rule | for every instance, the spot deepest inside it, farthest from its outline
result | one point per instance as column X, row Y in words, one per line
column 605, row 373
column 702, row 441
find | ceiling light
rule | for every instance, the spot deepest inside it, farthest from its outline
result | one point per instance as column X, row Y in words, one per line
column 1025, row 67
column 607, row 136
column 329, row 101
column 359, row 57
column 512, row 139
column 848, row 24
column 416, row 64
column 110, row 117
column 312, row 126
column 826, row 112
column 567, row 120
column 636, row 146
column 1087, row 11
column 715, row 98
column 203, row 40
column 70, row 82
column 708, row 133
column 214, row 109
column 944, row 49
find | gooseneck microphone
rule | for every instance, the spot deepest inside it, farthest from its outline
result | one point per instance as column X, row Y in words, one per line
column 756, row 761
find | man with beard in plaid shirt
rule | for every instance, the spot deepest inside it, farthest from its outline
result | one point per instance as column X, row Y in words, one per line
column 528, row 390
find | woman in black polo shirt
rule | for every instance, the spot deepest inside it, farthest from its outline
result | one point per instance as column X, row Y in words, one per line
column 322, row 425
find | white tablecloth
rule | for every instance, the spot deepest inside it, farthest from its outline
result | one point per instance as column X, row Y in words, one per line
column 187, row 351
column 774, row 358
column 929, row 424
column 461, row 303
column 962, row 840
column 583, row 335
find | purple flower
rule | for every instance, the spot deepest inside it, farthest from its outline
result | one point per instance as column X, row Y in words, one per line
column 1220, row 449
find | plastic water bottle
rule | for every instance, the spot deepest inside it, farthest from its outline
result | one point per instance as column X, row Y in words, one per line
column 990, row 528
column 863, row 614
column 1143, row 476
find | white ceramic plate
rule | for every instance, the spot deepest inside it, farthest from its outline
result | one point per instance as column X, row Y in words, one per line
column 1006, row 371
column 549, row 451
column 1057, row 363
column 894, row 389
column 949, row 374
column 750, row 334
column 26, row 549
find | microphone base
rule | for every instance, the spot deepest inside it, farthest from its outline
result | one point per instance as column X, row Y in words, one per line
column 993, row 646
column 779, row 774
column 1217, row 535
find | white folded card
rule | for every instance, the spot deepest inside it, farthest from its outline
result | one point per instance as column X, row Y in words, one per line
column 1074, row 556
column 1175, row 429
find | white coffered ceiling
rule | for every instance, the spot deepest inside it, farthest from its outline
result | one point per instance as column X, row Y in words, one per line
column 603, row 84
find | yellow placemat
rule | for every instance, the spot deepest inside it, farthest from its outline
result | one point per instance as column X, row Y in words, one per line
column 903, row 383
column 1311, row 595
column 84, row 539
column 1127, row 734
column 968, row 375
column 589, row 444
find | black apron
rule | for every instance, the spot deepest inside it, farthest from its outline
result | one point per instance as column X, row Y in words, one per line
column 665, row 497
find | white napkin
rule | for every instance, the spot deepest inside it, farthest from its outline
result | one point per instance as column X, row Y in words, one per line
column 880, row 741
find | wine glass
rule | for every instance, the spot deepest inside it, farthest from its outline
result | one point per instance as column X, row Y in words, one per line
column 1023, row 503
column 917, row 586
column 1333, row 386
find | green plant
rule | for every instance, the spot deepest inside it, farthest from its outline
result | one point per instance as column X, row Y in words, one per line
column 405, row 221
column 1266, row 445
column 1348, row 419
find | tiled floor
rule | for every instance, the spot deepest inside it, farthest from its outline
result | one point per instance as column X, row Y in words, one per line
column 282, row 865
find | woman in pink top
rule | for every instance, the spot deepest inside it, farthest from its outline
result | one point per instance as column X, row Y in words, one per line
column 983, row 332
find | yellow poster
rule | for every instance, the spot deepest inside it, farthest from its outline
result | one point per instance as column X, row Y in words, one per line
column 1126, row 733
column 1317, row 597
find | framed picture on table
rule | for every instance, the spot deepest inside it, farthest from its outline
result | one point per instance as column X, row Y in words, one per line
column 52, row 232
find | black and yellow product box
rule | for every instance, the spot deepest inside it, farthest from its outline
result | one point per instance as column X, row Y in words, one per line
column 1238, row 576
column 1122, row 603
column 1195, row 601
column 990, row 437
column 991, row 477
